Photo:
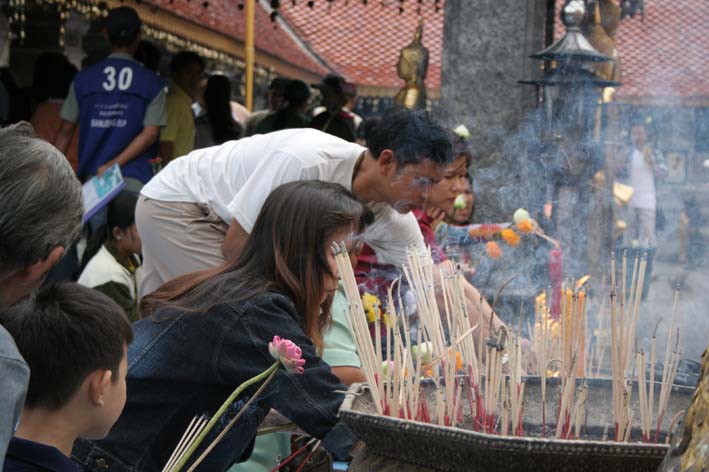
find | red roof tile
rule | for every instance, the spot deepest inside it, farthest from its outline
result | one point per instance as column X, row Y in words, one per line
column 224, row 16
column 666, row 54
column 362, row 42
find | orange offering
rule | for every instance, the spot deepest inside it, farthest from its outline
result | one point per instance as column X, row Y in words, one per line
column 525, row 226
column 510, row 237
column 493, row 250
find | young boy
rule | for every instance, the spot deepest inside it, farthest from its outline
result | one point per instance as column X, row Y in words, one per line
column 75, row 341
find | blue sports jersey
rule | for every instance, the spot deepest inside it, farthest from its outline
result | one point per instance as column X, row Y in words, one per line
column 113, row 96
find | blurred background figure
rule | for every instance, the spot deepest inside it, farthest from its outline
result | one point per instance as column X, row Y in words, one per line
column 276, row 93
column 149, row 55
column 15, row 102
column 177, row 138
column 292, row 113
column 112, row 257
column 216, row 124
column 46, row 118
column 334, row 119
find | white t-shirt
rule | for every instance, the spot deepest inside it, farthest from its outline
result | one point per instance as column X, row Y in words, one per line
column 642, row 179
column 235, row 179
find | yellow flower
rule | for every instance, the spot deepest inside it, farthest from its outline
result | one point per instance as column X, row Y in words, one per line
column 493, row 250
column 372, row 307
column 510, row 237
column 525, row 226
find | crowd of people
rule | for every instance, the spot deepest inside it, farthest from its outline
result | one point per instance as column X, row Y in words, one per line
column 197, row 264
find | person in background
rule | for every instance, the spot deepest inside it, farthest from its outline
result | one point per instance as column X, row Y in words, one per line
column 75, row 341
column 120, row 105
column 177, row 138
column 113, row 256
column 292, row 114
column 47, row 119
column 17, row 104
column 640, row 169
column 216, row 125
column 281, row 284
column 149, row 55
column 40, row 217
column 334, row 120
column 276, row 92
column 350, row 90
column 45, row 67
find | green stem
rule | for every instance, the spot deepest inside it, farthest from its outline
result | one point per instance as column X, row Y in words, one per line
column 222, row 409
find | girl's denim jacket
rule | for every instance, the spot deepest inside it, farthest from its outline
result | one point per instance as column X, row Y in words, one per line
column 186, row 364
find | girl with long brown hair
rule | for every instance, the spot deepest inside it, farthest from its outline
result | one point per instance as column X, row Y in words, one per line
column 206, row 332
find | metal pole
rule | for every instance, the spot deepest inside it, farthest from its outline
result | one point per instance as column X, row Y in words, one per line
column 250, row 53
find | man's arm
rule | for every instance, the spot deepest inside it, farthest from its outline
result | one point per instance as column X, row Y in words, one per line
column 234, row 241
column 139, row 144
column 64, row 135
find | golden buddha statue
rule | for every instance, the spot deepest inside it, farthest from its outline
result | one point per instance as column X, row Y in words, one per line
column 605, row 23
column 412, row 68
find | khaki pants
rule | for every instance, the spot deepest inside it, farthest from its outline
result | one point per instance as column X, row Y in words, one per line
column 177, row 238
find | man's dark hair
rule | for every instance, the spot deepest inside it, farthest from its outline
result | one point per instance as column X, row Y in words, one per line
column 184, row 59
column 65, row 332
column 412, row 135
column 123, row 26
column 148, row 54
column 63, row 76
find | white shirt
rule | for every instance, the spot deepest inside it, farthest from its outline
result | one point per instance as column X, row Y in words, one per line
column 235, row 179
column 642, row 179
column 104, row 268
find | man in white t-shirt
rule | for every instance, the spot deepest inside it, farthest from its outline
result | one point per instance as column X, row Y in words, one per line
column 642, row 166
column 199, row 210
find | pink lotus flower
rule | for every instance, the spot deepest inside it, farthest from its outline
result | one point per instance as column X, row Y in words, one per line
column 288, row 354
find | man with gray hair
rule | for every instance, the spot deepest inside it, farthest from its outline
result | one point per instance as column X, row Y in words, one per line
column 40, row 217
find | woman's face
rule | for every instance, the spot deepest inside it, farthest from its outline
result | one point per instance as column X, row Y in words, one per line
column 461, row 217
column 454, row 183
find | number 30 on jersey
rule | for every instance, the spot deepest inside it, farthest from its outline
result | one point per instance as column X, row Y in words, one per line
column 125, row 78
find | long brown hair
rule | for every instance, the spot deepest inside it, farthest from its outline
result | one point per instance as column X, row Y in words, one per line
column 285, row 253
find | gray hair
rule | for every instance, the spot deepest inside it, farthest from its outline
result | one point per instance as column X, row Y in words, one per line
column 40, row 199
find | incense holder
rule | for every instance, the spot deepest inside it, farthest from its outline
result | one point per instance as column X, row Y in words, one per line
column 410, row 444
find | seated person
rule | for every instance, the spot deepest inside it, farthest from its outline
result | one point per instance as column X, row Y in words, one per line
column 207, row 332
column 74, row 340
column 114, row 255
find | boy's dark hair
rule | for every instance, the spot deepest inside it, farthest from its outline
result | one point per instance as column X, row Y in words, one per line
column 412, row 135
column 183, row 59
column 66, row 331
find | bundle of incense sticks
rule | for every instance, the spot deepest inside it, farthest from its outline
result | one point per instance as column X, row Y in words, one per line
column 546, row 345
column 443, row 352
column 622, row 338
column 195, row 427
column 669, row 368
